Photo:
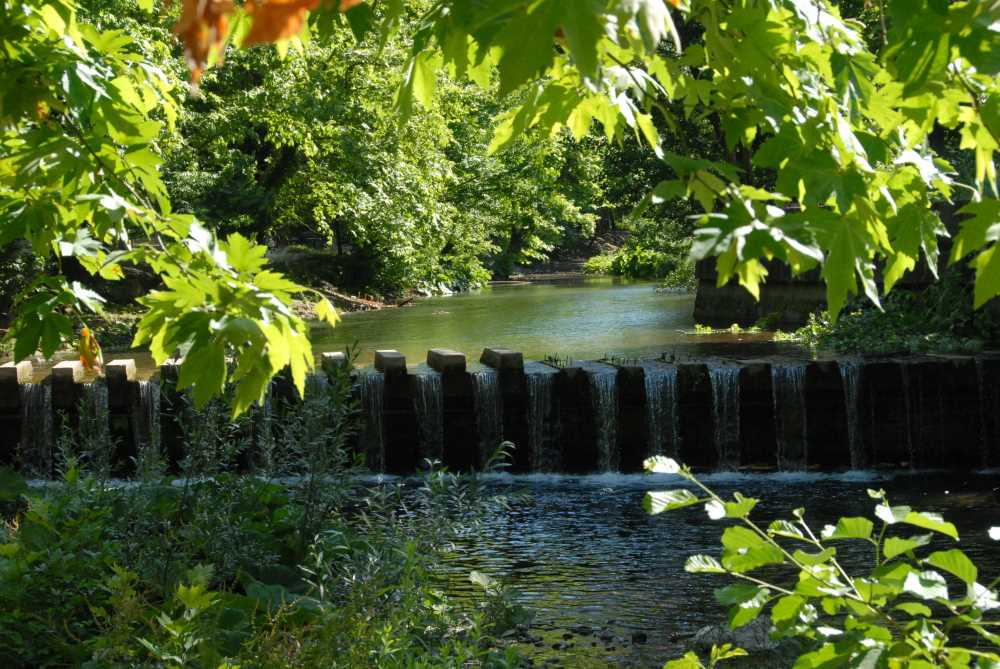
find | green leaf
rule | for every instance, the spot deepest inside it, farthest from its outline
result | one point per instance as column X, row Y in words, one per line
column 12, row 485
column 667, row 500
column 915, row 609
column 527, row 44
column 689, row 661
column 703, row 564
column 954, row 562
column 895, row 546
column 931, row 521
column 814, row 558
column 583, row 26
column 787, row 609
column 849, row 528
column 741, row 508
column 926, row 585
column 783, row 528
column 325, row 311
column 745, row 550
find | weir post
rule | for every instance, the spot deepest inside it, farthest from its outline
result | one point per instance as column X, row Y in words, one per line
column 12, row 377
column 123, row 391
column 460, row 437
column 509, row 366
column 400, row 421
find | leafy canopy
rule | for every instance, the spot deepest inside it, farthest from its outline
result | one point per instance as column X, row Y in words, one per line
column 840, row 167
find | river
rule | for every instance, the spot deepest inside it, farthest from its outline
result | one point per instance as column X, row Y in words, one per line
column 599, row 572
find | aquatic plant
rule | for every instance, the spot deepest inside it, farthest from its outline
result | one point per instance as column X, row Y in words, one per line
column 917, row 605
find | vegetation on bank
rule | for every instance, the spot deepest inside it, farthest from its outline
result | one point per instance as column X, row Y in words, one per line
column 230, row 563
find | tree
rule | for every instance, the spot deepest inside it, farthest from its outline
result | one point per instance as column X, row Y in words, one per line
column 828, row 131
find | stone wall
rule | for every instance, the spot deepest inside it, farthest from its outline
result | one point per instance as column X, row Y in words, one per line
column 921, row 411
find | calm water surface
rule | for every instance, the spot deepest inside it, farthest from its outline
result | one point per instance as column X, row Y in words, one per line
column 580, row 551
column 580, row 318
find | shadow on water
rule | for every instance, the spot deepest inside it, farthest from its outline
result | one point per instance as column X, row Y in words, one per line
column 599, row 572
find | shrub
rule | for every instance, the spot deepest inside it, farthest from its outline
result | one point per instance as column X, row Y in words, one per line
column 902, row 612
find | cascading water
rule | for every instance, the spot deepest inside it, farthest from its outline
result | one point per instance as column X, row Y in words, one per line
column 988, row 416
column 662, row 417
column 489, row 411
column 851, row 378
column 788, row 387
column 545, row 455
column 373, row 436
column 146, row 427
column 910, row 415
column 94, row 413
column 35, row 449
column 726, row 411
column 605, row 394
column 429, row 406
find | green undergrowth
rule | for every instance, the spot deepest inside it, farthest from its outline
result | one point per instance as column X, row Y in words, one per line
column 267, row 557
column 938, row 319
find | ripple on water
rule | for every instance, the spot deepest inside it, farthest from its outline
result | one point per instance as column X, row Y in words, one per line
column 582, row 554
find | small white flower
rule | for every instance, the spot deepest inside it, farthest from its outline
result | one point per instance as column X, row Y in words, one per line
column 995, row 533
column 716, row 510
column 659, row 464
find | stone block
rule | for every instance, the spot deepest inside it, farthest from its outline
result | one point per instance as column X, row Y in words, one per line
column 333, row 360
column 120, row 375
column 16, row 373
column 446, row 361
column 120, row 371
column 503, row 359
column 68, row 371
column 390, row 361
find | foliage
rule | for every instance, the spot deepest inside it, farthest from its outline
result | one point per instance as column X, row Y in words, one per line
column 826, row 147
column 219, row 569
column 632, row 262
column 914, row 604
column 939, row 318
column 80, row 180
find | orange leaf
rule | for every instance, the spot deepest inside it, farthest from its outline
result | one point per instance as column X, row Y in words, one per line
column 202, row 27
column 347, row 4
column 275, row 20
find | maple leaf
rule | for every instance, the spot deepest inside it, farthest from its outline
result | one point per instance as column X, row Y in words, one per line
column 275, row 20
column 202, row 28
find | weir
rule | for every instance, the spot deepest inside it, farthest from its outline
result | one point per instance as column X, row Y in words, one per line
column 788, row 382
column 576, row 417
column 662, row 418
column 725, row 379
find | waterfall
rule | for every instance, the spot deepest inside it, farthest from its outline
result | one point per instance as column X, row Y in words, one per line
column 373, row 433
column 904, row 372
column 987, row 416
column 788, row 389
column 429, row 406
column 545, row 455
column 146, row 428
column 726, row 411
column 851, row 378
column 95, row 425
column 489, row 411
column 36, row 428
column 662, row 418
column 604, row 386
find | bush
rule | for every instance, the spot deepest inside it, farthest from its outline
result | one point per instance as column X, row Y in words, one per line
column 219, row 569
column 632, row 262
column 902, row 612
column 937, row 319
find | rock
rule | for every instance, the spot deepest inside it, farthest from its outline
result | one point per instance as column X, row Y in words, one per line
column 390, row 361
column 502, row 359
column 752, row 637
column 446, row 361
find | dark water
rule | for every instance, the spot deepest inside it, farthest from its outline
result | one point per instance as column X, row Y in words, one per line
column 580, row 551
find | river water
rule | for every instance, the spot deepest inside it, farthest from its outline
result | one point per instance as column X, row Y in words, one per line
column 582, row 318
column 599, row 572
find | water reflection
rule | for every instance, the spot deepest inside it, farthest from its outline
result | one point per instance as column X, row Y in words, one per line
column 581, row 552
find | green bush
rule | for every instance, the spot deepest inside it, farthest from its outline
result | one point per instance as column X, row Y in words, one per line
column 937, row 319
column 917, row 606
column 219, row 569
column 632, row 262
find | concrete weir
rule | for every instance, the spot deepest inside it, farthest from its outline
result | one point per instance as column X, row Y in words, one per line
column 575, row 417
